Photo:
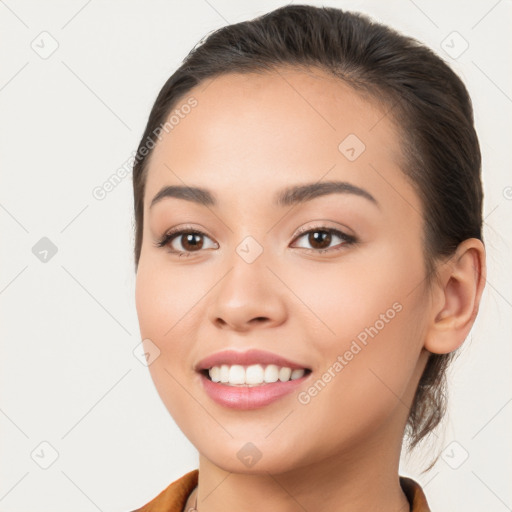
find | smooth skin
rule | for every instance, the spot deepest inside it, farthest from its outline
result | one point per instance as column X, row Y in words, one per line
column 249, row 137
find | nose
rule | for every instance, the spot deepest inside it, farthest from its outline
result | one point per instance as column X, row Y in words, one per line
column 249, row 296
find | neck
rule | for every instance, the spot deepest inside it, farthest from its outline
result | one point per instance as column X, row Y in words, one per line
column 365, row 478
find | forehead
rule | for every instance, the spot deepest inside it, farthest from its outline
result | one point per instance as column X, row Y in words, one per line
column 251, row 131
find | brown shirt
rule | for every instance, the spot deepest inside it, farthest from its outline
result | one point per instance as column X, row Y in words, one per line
column 174, row 497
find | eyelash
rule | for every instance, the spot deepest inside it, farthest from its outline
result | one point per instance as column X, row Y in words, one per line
column 175, row 233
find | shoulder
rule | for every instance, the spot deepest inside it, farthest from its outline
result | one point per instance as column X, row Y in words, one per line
column 415, row 494
column 174, row 496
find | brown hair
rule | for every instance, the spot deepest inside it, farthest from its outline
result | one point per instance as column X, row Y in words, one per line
column 427, row 100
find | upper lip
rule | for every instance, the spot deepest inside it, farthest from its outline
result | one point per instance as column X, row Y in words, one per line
column 247, row 358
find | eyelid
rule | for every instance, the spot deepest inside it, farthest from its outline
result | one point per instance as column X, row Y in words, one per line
column 321, row 224
column 176, row 232
column 348, row 239
column 170, row 235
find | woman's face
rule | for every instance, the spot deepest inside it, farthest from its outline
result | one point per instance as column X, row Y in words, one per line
column 349, row 304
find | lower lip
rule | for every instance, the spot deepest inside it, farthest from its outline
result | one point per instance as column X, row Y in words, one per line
column 242, row 397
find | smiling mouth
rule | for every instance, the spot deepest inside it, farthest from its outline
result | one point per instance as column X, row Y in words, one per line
column 206, row 373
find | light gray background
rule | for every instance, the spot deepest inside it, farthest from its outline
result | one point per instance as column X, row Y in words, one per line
column 69, row 327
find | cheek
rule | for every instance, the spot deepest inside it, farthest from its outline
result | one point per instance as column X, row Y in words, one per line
column 164, row 297
column 168, row 303
column 363, row 288
column 370, row 313
column 376, row 384
column 165, row 303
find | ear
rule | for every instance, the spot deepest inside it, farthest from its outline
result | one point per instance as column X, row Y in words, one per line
column 457, row 295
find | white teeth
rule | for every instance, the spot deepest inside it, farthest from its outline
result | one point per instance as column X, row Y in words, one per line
column 215, row 374
column 297, row 374
column 253, row 375
column 285, row 373
column 224, row 373
column 237, row 374
column 271, row 373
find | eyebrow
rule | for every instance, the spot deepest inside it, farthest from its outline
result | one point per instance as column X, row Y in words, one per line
column 289, row 196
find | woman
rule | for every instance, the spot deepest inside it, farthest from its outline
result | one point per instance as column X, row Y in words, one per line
column 309, row 257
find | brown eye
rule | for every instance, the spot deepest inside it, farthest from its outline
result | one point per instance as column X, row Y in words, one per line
column 184, row 241
column 191, row 241
column 320, row 239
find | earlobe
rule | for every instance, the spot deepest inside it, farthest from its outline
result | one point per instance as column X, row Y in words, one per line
column 460, row 286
